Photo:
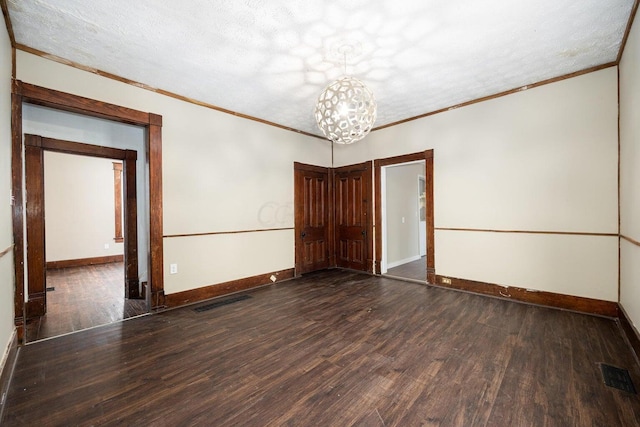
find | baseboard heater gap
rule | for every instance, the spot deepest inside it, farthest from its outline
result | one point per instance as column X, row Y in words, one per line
column 220, row 303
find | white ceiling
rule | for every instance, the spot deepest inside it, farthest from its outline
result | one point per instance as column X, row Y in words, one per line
column 270, row 59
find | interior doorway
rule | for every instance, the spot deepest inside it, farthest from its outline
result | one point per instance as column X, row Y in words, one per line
column 405, row 233
column 78, row 193
column 404, row 238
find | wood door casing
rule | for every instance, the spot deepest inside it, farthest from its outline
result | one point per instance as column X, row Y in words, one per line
column 427, row 156
column 313, row 243
column 35, row 215
column 352, row 209
column 36, row 305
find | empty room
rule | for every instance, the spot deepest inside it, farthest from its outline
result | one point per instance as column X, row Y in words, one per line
column 382, row 213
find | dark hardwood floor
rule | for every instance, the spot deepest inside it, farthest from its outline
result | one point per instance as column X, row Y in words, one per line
column 416, row 270
column 332, row 348
column 84, row 297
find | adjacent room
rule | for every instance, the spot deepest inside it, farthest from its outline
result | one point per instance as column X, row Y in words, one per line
column 381, row 213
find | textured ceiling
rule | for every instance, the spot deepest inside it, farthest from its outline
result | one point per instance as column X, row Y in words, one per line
column 270, row 59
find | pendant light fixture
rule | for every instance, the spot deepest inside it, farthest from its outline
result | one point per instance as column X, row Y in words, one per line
column 346, row 109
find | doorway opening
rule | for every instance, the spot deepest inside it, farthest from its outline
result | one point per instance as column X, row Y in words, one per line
column 404, row 235
column 82, row 264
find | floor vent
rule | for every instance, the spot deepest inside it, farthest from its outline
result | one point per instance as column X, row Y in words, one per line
column 617, row 378
column 51, row 289
column 220, row 303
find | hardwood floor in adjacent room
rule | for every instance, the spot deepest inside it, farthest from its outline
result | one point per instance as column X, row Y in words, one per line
column 84, row 297
column 416, row 270
column 332, row 348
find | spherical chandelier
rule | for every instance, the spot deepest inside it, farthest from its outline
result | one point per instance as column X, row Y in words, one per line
column 346, row 109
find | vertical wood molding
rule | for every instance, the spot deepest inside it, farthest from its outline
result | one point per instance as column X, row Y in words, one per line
column 34, row 186
column 7, row 370
column 18, row 207
column 117, row 201
column 156, row 270
column 131, row 226
column 431, row 240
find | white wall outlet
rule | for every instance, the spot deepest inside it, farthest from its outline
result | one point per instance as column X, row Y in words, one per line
column 173, row 269
column 403, row 220
column 273, row 278
column 106, row 246
column 445, row 280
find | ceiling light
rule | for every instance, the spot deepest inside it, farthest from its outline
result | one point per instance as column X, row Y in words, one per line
column 346, row 109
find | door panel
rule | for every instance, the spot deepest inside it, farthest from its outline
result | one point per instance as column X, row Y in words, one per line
column 312, row 208
column 352, row 212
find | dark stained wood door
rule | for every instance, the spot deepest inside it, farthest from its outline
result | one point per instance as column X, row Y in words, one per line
column 313, row 243
column 352, row 212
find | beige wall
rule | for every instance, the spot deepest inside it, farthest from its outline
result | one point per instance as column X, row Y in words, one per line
column 220, row 173
column 79, row 207
column 6, row 234
column 630, row 175
column 543, row 159
column 403, row 240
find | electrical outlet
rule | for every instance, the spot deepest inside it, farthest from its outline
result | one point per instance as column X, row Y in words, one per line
column 445, row 280
column 273, row 278
column 173, row 269
column 106, row 246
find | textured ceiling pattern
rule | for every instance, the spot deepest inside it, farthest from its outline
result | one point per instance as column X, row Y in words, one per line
column 270, row 59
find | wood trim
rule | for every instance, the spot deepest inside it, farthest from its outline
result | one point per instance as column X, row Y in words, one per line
column 629, row 331
column 35, row 214
column 9, row 25
column 83, row 262
column 78, row 104
column 201, row 294
column 630, row 240
column 431, row 235
column 7, row 371
column 570, row 233
column 543, row 298
column 173, row 95
column 131, row 225
column 23, row 92
column 627, row 30
column 117, row 201
column 215, row 233
column 501, row 94
column 427, row 156
column 79, row 148
column 6, row 251
column 18, row 207
column 156, row 253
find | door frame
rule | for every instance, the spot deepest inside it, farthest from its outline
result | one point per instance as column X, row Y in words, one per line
column 427, row 156
column 35, row 146
column 28, row 93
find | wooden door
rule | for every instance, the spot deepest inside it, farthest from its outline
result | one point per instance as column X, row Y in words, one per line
column 352, row 213
column 312, row 218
